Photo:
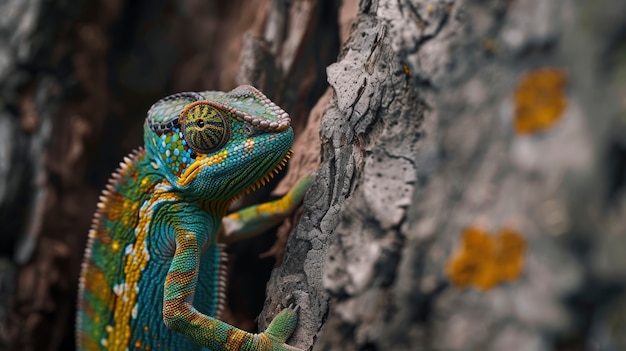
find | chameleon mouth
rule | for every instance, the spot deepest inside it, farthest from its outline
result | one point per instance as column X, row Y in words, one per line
column 195, row 168
column 267, row 177
column 256, row 185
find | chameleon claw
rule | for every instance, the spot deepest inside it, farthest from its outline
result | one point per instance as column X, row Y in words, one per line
column 294, row 307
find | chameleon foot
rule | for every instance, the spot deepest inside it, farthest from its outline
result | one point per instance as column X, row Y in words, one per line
column 283, row 325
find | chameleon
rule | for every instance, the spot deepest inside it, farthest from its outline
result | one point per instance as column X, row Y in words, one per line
column 153, row 275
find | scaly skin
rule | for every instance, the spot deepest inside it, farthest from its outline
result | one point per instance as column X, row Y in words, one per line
column 153, row 275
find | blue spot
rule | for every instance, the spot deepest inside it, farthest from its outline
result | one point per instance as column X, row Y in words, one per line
column 176, row 152
column 184, row 142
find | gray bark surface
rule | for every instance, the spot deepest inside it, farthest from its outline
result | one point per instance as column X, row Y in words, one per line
column 412, row 159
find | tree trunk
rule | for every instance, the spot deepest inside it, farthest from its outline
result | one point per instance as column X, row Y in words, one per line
column 470, row 156
column 471, row 193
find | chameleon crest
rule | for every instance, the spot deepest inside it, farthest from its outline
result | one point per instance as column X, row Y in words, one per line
column 153, row 276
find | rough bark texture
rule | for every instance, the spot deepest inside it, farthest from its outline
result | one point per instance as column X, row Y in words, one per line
column 428, row 137
column 471, row 164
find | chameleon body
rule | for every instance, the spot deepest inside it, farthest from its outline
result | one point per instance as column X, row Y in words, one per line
column 153, row 275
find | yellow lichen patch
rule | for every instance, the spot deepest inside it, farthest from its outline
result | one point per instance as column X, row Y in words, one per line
column 485, row 260
column 510, row 256
column 540, row 100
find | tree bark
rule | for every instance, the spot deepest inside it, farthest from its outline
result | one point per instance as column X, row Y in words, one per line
column 470, row 194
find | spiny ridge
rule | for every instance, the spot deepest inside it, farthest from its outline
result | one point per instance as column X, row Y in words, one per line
column 266, row 178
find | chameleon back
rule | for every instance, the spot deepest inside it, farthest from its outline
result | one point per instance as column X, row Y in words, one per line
column 112, row 246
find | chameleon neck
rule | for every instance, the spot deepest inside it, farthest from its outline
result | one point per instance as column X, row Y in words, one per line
column 217, row 209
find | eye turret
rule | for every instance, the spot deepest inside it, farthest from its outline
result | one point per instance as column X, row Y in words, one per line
column 205, row 127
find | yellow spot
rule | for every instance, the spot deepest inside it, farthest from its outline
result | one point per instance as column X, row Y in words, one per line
column 540, row 100
column 115, row 246
column 235, row 216
column 144, row 182
column 485, row 260
column 137, row 344
column 145, row 328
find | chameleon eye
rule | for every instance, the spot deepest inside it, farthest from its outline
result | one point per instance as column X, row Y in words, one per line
column 204, row 127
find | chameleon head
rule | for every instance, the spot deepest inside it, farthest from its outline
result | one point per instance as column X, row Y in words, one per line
column 216, row 145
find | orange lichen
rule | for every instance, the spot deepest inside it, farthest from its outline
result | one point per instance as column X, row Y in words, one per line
column 485, row 260
column 540, row 100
